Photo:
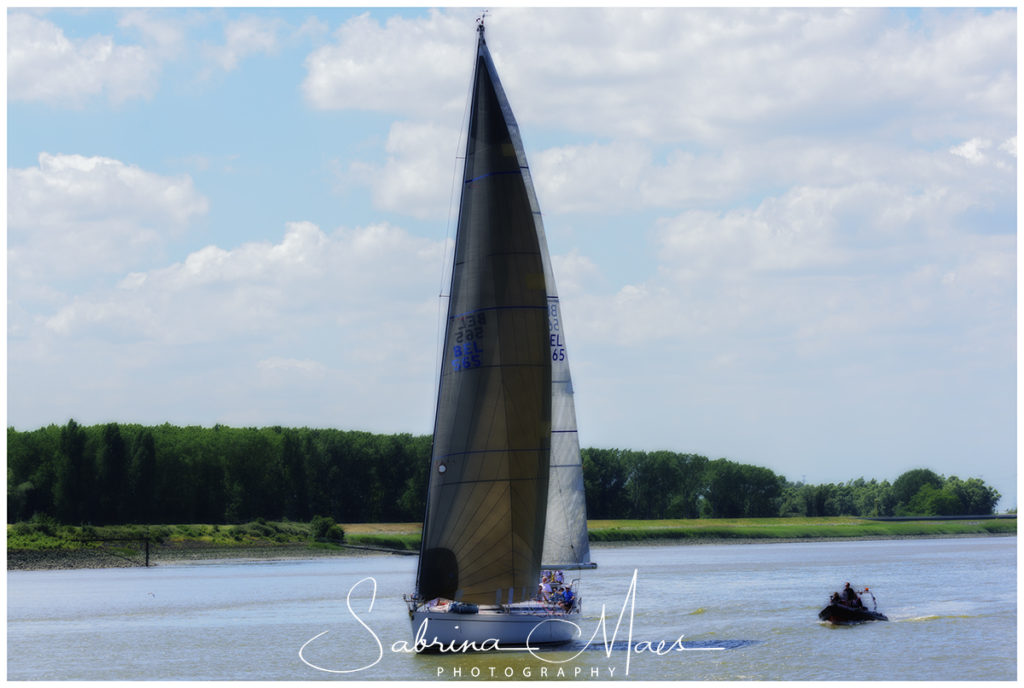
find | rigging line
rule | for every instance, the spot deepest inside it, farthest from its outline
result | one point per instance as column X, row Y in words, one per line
column 439, row 343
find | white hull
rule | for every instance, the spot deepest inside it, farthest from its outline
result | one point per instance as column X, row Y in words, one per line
column 491, row 629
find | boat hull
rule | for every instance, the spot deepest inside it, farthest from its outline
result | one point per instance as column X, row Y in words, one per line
column 443, row 631
column 841, row 615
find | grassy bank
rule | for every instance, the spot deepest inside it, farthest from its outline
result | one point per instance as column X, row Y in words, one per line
column 799, row 528
column 55, row 546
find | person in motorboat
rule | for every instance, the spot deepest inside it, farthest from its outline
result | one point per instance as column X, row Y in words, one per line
column 848, row 608
column 850, row 597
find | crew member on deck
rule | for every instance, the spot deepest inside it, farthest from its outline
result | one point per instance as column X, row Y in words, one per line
column 545, row 589
column 567, row 596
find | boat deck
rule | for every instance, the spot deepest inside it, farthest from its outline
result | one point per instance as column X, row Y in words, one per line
column 532, row 607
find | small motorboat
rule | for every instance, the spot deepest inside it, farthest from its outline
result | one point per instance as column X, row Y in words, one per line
column 842, row 612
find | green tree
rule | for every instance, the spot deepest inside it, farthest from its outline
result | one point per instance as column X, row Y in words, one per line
column 874, row 498
column 112, row 475
column 393, row 464
column 324, row 528
column 652, row 477
column 31, row 458
column 840, row 501
column 737, row 490
column 684, row 499
column 791, row 501
column 295, row 484
column 723, row 496
column 413, row 501
column 604, row 481
column 975, row 497
column 72, row 475
column 318, row 473
column 908, row 484
column 932, row 501
column 762, row 489
column 85, row 474
column 142, row 478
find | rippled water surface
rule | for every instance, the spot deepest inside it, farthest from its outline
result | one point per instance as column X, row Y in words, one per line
column 744, row 612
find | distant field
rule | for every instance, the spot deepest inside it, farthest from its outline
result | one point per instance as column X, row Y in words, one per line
column 800, row 528
column 741, row 528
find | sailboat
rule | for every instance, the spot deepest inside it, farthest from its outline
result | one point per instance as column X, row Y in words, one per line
column 505, row 497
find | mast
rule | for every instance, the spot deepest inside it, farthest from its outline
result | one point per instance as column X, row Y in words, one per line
column 488, row 483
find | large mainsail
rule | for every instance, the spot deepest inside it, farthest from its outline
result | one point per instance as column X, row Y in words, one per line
column 488, row 487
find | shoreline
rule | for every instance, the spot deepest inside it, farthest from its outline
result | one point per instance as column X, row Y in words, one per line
column 697, row 541
column 56, row 559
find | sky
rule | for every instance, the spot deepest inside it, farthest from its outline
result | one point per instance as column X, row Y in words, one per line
column 786, row 237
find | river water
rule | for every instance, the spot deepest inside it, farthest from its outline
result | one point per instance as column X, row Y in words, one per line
column 743, row 611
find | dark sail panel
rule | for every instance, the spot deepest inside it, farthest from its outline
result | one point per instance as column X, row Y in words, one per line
column 487, row 494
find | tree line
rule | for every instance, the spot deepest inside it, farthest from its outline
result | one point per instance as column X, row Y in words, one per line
column 124, row 473
column 661, row 484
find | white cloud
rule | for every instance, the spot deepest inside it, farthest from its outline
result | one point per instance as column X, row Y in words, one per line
column 286, row 366
column 979, row 152
column 567, row 176
column 816, row 273
column 662, row 103
column 44, row 65
column 573, row 272
column 314, row 29
column 308, row 277
column 165, row 33
column 416, row 178
column 790, row 233
column 619, row 177
column 973, row 150
column 417, row 66
column 244, row 37
column 683, row 74
column 347, row 318
column 74, row 215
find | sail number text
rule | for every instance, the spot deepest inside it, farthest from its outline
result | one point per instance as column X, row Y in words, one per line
column 557, row 345
column 466, row 352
